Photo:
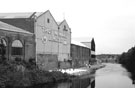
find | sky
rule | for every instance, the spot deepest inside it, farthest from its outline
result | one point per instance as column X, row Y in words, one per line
column 110, row 22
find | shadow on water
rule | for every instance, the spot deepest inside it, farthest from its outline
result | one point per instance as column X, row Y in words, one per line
column 75, row 83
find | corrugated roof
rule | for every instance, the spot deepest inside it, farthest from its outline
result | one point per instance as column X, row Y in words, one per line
column 78, row 43
column 19, row 15
column 8, row 27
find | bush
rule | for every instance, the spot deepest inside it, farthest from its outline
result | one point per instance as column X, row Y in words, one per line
column 12, row 77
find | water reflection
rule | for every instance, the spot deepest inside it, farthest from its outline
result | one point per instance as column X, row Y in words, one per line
column 75, row 83
column 64, row 85
column 112, row 76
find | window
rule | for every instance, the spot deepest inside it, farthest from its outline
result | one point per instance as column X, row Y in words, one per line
column 17, row 48
column 64, row 26
column 16, row 51
column 48, row 20
column 65, row 29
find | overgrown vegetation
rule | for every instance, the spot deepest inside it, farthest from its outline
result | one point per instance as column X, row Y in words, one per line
column 21, row 74
column 127, row 59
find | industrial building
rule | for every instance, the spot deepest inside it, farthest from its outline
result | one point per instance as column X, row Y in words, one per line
column 90, row 43
column 38, row 36
column 80, row 54
column 52, row 40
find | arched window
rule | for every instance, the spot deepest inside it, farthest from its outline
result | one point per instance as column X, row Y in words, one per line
column 3, row 46
column 17, row 47
column 2, row 41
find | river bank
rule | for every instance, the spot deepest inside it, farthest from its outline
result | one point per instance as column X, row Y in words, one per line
column 22, row 74
column 81, row 79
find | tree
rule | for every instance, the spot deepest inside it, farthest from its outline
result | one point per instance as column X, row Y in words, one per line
column 127, row 59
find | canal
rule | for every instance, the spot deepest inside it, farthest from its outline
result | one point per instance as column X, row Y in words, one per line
column 111, row 76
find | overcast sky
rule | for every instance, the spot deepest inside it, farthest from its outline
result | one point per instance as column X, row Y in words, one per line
column 110, row 22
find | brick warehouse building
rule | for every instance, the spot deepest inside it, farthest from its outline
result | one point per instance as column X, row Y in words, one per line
column 18, row 42
column 52, row 39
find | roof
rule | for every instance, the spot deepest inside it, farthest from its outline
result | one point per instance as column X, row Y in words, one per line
column 19, row 15
column 83, row 39
column 49, row 13
column 8, row 27
column 78, row 43
column 58, row 23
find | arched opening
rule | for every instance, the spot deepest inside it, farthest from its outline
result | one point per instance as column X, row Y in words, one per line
column 3, row 47
column 17, row 48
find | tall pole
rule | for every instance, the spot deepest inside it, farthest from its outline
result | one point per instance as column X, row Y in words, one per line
column 34, row 35
column 58, row 49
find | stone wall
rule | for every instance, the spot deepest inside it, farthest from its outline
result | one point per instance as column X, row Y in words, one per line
column 47, row 61
column 65, row 64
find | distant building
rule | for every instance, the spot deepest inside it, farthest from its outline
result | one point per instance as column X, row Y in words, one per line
column 80, row 54
column 110, row 58
column 90, row 43
column 93, row 47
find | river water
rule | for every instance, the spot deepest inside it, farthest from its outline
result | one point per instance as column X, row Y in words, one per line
column 111, row 76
